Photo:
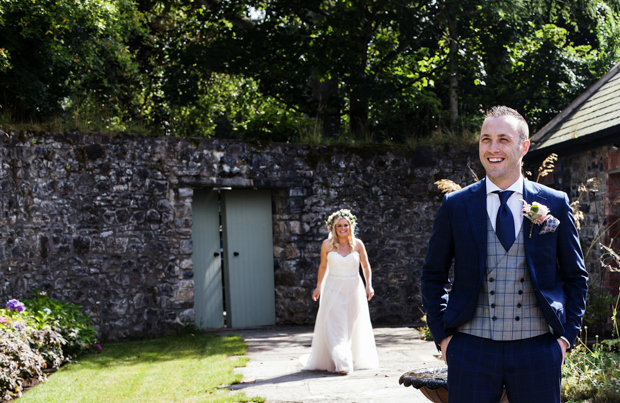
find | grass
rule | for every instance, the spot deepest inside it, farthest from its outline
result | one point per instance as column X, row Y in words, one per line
column 307, row 132
column 181, row 368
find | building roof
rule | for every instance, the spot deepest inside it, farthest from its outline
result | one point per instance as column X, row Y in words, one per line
column 593, row 115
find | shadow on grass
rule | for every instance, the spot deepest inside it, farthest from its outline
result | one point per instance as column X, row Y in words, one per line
column 169, row 348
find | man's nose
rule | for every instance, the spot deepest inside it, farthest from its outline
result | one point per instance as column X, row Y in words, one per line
column 494, row 146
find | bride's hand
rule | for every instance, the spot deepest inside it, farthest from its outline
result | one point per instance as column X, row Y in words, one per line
column 370, row 292
column 316, row 293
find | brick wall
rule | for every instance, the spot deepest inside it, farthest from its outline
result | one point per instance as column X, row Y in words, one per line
column 612, row 213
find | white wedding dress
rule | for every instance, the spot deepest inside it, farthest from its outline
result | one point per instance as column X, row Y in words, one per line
column 343, row 338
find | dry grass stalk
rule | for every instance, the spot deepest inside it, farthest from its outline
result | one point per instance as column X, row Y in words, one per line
column 547, row 166
column 473, row 174
column 577, row 214
column 447, row 186
column 593, row 184
column 610, row 259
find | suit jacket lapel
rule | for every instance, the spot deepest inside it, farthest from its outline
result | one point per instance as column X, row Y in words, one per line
column 530, row 195
column 478, row 216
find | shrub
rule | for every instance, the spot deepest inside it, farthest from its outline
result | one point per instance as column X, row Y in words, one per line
column 49, row 345
column 64, row 318
column 36, row 334
column 577, row 392
column 608, row 394
column 592, row 373
column 17, row 362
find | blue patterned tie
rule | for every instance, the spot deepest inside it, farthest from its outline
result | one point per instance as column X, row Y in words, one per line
column 505, row 223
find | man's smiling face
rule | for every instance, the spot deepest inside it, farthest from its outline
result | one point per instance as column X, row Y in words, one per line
column 501, row 150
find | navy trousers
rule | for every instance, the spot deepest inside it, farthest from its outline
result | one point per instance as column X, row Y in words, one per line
column 479, row 369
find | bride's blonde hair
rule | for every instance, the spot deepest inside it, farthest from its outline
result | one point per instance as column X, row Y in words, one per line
column 331, row 226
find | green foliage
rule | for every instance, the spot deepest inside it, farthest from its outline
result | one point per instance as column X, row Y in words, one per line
column 65, row 318
column 18, row 361
column 426, row 331
column 46, row 334
column 428, row 336
column 592, row 373
column 598, row 304
column 284, row 71
column 62, row 51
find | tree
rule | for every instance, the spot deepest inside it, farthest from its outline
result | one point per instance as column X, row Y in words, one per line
column 247, row 68
column 322, row 58
column 57, row 49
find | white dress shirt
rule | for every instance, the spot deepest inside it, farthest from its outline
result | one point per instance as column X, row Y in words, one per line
column 515, row 203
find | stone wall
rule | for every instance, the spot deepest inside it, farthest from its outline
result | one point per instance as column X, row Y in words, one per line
column 588, row 180
column 588, row 184
column 105, row 221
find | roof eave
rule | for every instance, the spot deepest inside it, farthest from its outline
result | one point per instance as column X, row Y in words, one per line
column 580, row 144
column 541, row 135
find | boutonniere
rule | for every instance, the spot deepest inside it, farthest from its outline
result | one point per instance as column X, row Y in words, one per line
column 538, row 214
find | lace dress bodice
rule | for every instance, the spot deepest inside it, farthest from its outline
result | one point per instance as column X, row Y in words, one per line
column 343, row 266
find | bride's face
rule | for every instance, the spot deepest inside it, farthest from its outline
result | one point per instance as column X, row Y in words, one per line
column 342, row 228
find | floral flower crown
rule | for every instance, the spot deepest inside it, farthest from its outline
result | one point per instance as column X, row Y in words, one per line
column 342, row 213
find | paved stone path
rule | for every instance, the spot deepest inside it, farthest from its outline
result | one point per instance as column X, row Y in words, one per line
column 274, row 371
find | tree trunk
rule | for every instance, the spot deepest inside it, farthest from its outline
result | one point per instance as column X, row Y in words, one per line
column 328, row 113
column 454, row 74
column 358, row 113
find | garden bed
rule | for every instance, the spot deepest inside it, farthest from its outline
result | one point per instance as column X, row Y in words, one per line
column 37, row 336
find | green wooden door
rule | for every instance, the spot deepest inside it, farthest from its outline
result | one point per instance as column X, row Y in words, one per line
column 208, row 298
column 248, row 258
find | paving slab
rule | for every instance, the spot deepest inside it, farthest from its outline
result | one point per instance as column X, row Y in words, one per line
column 275, row 373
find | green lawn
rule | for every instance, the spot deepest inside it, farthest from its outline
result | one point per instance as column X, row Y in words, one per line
column 180, row 368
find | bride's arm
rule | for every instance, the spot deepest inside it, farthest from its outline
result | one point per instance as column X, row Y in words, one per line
column 325, row 248
column 361, row 249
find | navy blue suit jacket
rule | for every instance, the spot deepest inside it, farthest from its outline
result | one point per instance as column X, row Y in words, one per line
column 554, row 261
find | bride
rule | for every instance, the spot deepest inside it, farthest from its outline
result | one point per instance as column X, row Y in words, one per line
column 343, row 339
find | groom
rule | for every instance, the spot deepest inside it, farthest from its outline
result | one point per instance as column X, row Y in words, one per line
column 518, row 295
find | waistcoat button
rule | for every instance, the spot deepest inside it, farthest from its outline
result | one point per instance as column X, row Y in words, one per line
column 491, row 280
column 519, row 305
column 494, row 318
column 492, row 305
column 517, row 318
column 520, row 292
column 492, row 293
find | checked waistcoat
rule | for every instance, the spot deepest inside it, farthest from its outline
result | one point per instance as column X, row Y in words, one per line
column 507, row 307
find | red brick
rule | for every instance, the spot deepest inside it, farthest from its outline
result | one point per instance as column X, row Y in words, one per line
column 612, row 160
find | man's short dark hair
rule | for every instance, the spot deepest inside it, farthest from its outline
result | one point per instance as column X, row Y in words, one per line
column 522, row 128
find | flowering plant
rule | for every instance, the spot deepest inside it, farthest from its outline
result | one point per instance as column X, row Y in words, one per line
column 342, row 213
column 538, row 214
column 15, row 305
column 40, row 333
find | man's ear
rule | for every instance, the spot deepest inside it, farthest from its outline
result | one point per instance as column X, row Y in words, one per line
column 526, row 147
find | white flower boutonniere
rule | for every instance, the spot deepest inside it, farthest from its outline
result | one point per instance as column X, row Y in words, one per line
column 538, row 214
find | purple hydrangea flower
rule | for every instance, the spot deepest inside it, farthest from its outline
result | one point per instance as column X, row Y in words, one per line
column 46, row 311
column 15, row 305
column 97, row 346
column 19, row 326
